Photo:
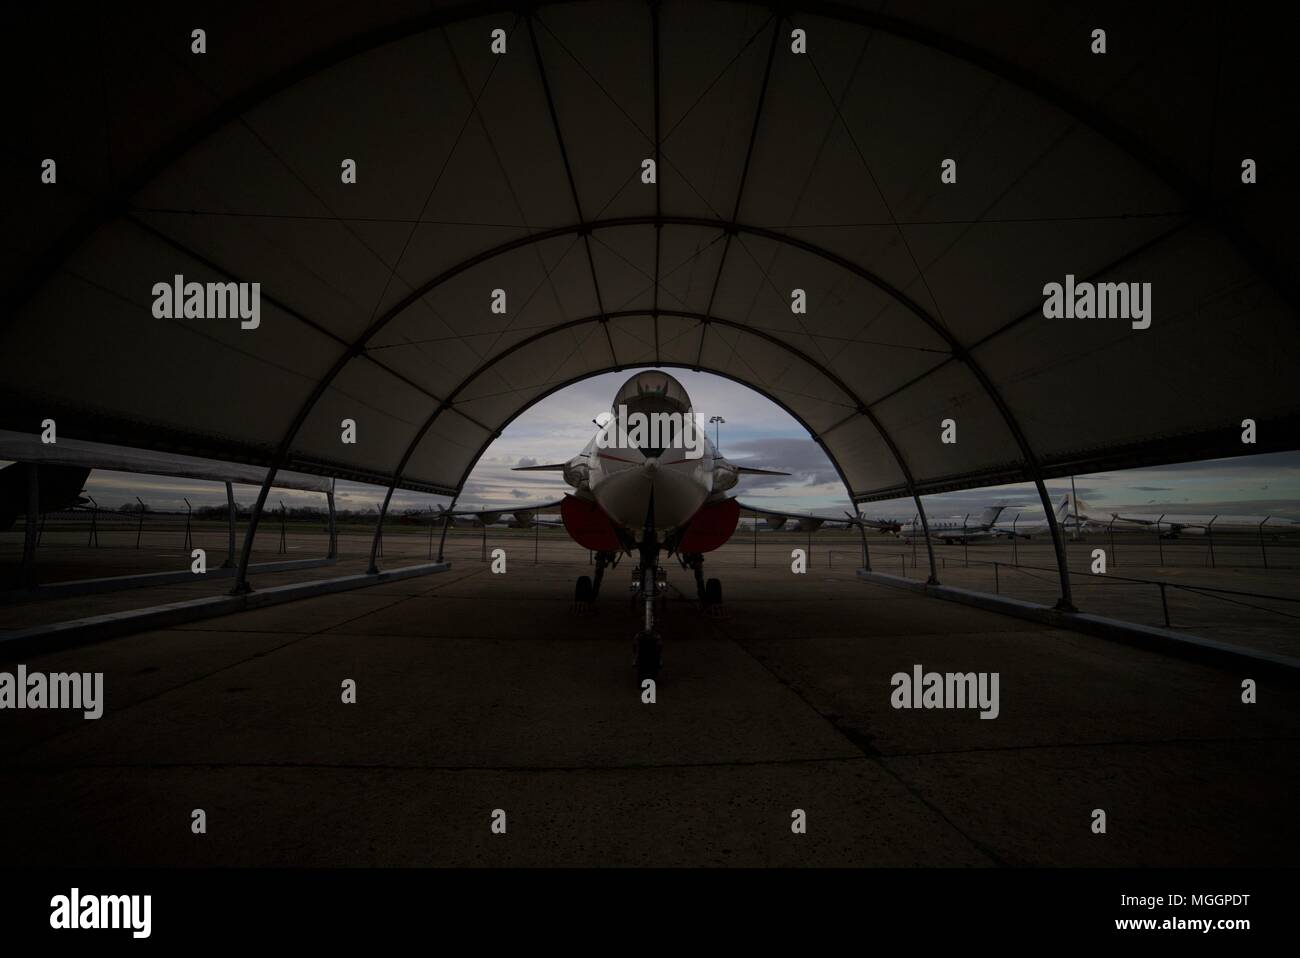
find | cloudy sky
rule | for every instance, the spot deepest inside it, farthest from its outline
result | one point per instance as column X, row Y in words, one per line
column 759, row 433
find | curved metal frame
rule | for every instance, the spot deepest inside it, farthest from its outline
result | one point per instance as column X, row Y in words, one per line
column 861, row 408
column 550, row 390
column 116, row 202
column 958, row 352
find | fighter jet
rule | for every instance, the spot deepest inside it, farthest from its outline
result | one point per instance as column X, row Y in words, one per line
column 650, row 484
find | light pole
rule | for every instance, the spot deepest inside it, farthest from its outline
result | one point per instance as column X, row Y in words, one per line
column 717, row 432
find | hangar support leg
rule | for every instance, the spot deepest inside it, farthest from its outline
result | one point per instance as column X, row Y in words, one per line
column 27, row 573
column 1066, row 602
column 231, row 517
column 925, row 532
column 373, row 568
column 333, row 524
column 446, row 524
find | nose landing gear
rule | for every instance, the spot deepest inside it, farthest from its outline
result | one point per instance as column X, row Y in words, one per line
column 649, row 585
column 710, row 592
column 587, row 588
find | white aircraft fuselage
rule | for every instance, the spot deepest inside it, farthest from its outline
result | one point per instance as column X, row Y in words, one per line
column 625, row 474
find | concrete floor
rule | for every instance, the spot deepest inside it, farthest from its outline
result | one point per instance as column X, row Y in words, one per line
column 478, row 692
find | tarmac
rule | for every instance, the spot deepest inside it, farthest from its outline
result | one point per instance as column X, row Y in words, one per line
column 477, row 692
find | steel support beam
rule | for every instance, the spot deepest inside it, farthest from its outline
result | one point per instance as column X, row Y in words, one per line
column 761, row 334
column 740, row 188
column 231, row 519
column 27, row 572
column 333, row 524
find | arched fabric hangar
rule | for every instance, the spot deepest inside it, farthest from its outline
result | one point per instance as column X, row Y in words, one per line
column 775, row 171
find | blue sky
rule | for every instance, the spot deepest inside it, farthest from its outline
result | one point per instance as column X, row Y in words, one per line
column 760, row 432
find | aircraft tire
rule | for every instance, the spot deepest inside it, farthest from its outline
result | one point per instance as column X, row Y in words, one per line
column 649, row 657
column 713, row 592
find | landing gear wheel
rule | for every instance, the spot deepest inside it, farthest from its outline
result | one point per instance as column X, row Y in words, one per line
column 713, row 592
column 647, row 653
column 584, row 594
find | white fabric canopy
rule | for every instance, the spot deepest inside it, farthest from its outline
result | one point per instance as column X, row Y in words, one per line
column 776, row 171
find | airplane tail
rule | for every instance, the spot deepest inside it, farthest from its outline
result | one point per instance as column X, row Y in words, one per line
column 990, row 515
column 1063, row 510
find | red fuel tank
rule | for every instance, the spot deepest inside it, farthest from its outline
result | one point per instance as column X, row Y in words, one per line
column 711, row 527
column 588, row 526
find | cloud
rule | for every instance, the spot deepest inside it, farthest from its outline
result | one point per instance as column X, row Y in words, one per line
column 526, row 461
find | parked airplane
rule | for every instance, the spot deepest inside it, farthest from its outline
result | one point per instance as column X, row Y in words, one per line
column 651, row 494
column 987, row 526
column 966, row 531
column 522, row 518
column 777, row 521
column 1173, row 526
column 1029, row 529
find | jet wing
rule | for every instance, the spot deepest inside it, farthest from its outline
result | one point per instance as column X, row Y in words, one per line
column 1165, row 523
column 807, row 522
column 521, row 516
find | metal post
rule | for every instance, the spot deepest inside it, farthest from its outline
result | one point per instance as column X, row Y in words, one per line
column 94, row 523
column 484, row 523
column 1111, row 530
column 284, row 545
column 1074, row 498
column 1262, row 550
column 537, row 539
column 28, row 570
column 1066, row 602
column 1209, row 535
column 997, row 586
column 432, row 523
column 913, row 542
column 1164, row 604
column 446, row 524
column 189, row 536
column 241, row 585
column 376, row 541
column 333, row 524
column 1160, row 542
column 231, row 518
column 756, row 540
column 139, row 527
column 862, row 531
column 1015, row 549
column 925, row 531
column 965, row 542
